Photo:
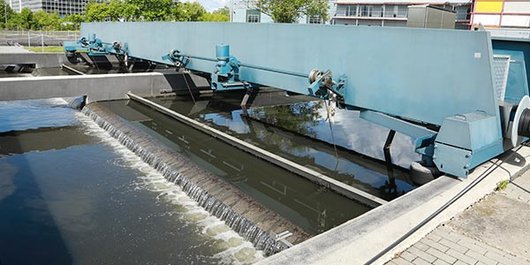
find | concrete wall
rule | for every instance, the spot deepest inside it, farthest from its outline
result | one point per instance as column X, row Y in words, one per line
column 41, row 60
column 96, row 87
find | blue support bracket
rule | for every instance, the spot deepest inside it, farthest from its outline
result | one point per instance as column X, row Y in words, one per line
column 423, row 138
column 96, row 47
column 177, row 58
column 226, row 75
column 323, row 86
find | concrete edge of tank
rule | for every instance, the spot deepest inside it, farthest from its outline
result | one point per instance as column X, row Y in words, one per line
column 359, row 240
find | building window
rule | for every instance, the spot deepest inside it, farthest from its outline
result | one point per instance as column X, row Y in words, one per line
column 370, row 11
column 351, row 10
column 314, row 20
column 402, row 11
column 364, row 10
column 390, row 11
column 253, row 16
column 377, row 11
column 396, row 11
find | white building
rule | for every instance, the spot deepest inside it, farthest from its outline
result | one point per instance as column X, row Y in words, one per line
column 62, row 7
column 502, row 14
column 393, row 12
column 503, row 18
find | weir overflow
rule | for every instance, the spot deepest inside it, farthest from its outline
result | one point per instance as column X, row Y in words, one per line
column 261, row 239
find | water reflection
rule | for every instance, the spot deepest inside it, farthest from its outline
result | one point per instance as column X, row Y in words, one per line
column 302, row 118
column 361, row 167
column 43, row 139
column 20, row 115
column 304, row 203
column 349, row 131
column 29, row 232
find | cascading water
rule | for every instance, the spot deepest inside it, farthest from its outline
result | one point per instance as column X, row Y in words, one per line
column 260, row 238
column 71, row 194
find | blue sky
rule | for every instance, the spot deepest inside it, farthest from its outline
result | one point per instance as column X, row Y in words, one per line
column 212, row 5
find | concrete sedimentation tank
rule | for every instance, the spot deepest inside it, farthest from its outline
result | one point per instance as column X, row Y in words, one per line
column 315, row 176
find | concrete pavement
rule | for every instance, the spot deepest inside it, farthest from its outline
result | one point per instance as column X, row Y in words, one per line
column 12, row 49
column 495, row 230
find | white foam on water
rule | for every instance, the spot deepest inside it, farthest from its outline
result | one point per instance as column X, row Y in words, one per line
column 241, row 253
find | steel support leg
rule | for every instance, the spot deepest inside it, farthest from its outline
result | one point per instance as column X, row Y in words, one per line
column 250, row 94
column 388, row 160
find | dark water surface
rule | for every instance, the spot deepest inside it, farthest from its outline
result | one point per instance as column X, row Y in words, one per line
column 304, row 203
column 70, row 196
column 290, row 137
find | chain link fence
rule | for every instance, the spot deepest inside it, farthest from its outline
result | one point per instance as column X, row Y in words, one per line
column 36, row 38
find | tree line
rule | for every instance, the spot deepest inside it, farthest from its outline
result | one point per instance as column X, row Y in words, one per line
column 114, row 10
column 282, row 11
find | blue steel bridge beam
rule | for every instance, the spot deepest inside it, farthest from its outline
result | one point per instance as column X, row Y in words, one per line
column 437, row 78
column 93, row 46
column 321, row 84
column 419, row 74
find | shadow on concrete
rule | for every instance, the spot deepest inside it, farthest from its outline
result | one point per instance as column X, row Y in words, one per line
column 513, row 158
column 182, row 83
column 101, row 62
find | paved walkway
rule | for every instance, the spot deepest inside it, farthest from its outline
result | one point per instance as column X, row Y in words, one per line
column 494, row 231
column 13, row 49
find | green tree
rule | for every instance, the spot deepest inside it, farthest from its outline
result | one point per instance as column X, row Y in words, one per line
column 221, row 14
column 130, row 10
column 46, row 21
column 122, row 10
column 283, row 11
column 72, row 22
column 119, row 10
column 189, row 11
column 5, row 13
column 23, row 20
column 114, row 10
column 96, row 11
column 152, row 10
